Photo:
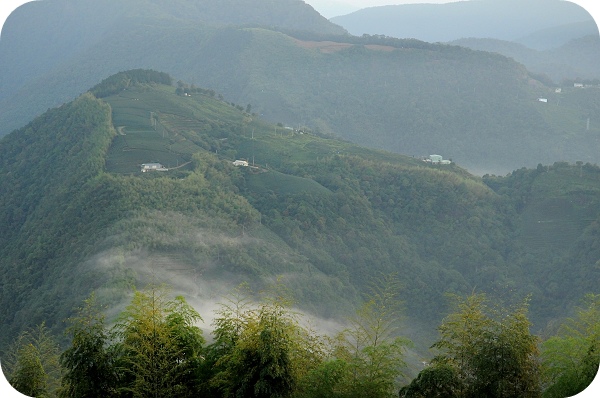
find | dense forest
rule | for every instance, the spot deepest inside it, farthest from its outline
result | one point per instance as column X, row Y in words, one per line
column 323, row 235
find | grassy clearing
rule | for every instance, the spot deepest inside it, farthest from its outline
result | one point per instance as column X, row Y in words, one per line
column 283, row 184
column 564, row 201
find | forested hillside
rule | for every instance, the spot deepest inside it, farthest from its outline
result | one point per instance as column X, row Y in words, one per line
column 319, row 211
column 337, row 228
column 37, row 48
column 576, row 60
column 410, row 97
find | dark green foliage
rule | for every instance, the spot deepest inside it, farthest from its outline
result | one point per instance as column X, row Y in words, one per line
column 259, row 348
column 261, row 365
column 491, row 351
column 89, row 363
column 45, row 212
column 121, row 81
column 437, row 381
column 556, row 222
column 323, row 214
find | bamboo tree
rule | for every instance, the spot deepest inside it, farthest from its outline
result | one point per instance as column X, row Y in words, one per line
column 265, row 350
column 368, row 357
column 32, row 364
column 571, row 358
column 88, row 362
column 491, row 350
column 160, row 345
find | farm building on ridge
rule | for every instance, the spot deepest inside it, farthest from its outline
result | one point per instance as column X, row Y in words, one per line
column 153, row 167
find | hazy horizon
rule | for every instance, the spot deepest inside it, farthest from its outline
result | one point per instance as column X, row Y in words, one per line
column 332, row 8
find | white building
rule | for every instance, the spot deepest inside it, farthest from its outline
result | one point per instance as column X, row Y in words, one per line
column 543, row 99
column 153, row 167
column 436, row 159
column 243, row 163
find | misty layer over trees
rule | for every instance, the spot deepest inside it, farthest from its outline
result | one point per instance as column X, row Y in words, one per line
column 264, row 349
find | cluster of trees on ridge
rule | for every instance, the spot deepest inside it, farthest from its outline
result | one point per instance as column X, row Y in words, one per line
column 265, row 349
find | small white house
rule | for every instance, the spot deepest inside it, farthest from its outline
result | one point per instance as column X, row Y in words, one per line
column 153, row 167
column 543, row 99
column 243, row 163
column 578, row 85
column 436, row 159
column 558, row 90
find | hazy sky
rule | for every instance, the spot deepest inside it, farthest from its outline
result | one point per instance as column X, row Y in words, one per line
column 331, row 8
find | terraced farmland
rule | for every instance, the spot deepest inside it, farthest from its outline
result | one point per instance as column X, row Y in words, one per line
column 142, row 138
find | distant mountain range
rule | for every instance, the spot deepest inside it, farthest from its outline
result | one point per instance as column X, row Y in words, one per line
column 578, row 59
column 533, row 23
column 555, row 38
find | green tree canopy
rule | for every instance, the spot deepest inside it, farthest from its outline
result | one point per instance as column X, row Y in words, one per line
column 160, row 345
column 32, row 364
column 483, row 351
column 88, row 362
column 571, row 358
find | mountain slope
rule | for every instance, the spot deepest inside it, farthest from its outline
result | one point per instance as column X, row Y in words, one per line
column 324, row 216
column 578, row 59
column 406, row 96
column 31, row 45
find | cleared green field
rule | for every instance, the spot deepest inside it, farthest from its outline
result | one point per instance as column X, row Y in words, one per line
column 142, row 138
column 564, row 202
column 156, row 125
column 283, row 184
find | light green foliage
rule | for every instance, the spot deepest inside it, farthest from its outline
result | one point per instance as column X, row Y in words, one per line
column 371, row 345
column 328, row 380
column 264, row 349
column 366, row 358
column 32, row 364
column 571, row 358
column 490, row 348
column 160, row 345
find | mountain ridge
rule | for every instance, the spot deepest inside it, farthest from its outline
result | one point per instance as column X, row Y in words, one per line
column 323, row 214
column 505, row 20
